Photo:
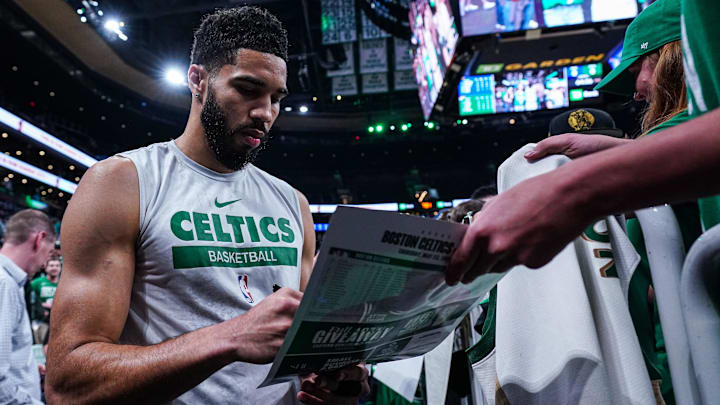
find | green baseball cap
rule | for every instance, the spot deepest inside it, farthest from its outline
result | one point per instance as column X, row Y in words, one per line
column 656, row 26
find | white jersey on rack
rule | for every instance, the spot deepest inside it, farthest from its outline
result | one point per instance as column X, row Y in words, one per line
column 210, row 247
column 564, row 333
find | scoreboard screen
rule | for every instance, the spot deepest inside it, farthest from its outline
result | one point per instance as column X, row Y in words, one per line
column 528, row 90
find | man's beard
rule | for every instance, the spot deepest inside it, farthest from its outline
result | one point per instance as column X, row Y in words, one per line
column 219, row 136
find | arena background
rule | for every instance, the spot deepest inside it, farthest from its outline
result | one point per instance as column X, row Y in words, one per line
column 106, row 76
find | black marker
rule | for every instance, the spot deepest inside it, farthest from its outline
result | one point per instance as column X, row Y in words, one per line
column 276, row 288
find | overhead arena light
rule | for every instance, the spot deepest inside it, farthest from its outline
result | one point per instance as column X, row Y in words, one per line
column 175, row 77
column 114, row 25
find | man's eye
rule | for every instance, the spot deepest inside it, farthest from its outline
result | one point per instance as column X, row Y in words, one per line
column 245, row 90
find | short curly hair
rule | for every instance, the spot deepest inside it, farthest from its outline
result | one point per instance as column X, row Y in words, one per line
column 222, row 33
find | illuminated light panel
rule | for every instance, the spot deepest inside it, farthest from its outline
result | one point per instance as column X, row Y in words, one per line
column 38, row 205
column 44, row 138
column 459, row 201
column 330, row 208
column 36, row 173
column 321, row 227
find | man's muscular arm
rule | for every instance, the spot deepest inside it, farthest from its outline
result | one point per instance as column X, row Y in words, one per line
column 85, row 362
column 533, row 221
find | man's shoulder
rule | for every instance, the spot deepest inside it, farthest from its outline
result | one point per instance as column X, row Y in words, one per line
column 145, row 149
column 149, row 158
column 5, row 278
column 109, row 172
column 677, row 119
column 8, row 286
column 258, row 172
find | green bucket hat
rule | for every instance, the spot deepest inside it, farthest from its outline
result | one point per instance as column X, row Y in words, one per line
column 656, row 26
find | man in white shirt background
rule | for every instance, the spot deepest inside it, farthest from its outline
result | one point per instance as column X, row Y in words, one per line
column 29, row 240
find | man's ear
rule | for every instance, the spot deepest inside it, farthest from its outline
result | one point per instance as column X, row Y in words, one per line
column 197, row 81
column 38, row 240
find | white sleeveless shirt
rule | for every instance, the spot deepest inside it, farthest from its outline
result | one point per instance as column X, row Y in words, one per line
column 210, row 247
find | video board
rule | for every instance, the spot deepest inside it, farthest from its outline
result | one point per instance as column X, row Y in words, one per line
column 434, row 38
column 528, row 90
column 481, row 17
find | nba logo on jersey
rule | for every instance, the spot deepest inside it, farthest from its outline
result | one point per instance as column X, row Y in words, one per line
column 245, row 289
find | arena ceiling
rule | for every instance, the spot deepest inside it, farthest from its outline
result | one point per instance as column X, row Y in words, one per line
column 157, row 36
column 105, row 95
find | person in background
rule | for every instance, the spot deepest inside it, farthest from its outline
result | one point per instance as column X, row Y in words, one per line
column 484, row 192
column 583, row 121
column 29, row 239
column 463, row 213
column 651, row 70
column 43, row 289
column 652, row 67
column 529, row 225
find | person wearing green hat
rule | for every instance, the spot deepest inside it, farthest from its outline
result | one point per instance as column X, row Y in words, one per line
column 652, row 66
column 533, row 221
column 650, row 70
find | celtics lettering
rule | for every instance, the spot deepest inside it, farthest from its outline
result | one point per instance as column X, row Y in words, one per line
column 593, row 235
column 189, row 226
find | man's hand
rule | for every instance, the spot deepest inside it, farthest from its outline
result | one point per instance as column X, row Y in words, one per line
column 573, row 145
column 260, row 332
column 341, row 387
column 528, row 224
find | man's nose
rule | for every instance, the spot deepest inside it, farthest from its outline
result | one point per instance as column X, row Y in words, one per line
column 262, row 111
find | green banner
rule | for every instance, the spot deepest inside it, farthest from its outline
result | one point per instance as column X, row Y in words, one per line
column 187, row 257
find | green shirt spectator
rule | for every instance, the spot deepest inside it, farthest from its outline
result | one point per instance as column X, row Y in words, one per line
column 43, row 288
column 703, row 77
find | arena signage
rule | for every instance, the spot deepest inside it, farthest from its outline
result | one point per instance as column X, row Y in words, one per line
column 44, row 138
column 577, row 60
column 36, row 173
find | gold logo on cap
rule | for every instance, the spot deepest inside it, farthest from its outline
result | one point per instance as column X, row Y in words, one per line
column 581, row 120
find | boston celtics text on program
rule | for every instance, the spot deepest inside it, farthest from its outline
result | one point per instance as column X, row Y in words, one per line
column 417, row 242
